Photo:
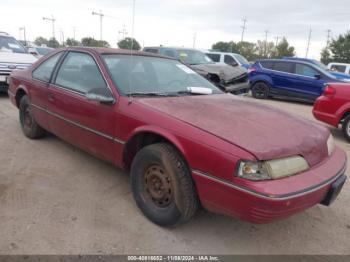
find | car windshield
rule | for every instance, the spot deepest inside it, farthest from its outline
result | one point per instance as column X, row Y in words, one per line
column 321, row 65
column 153, row 75
column 193, row 57
column 241, row 59
column 11, row 45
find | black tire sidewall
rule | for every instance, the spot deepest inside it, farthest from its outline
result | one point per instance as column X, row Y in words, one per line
column 266, row 88
column 344, row 127
column 168, row 216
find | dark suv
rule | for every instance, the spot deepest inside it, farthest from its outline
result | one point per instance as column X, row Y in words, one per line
column 288, row 79
column 227, row 78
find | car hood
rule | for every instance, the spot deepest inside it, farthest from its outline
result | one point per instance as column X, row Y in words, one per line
column 225, row 72
column 17, row 58
column 265, row 132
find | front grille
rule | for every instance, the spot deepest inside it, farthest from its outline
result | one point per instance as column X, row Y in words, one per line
column 9, row 67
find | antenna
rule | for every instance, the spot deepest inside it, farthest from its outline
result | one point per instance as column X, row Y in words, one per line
column 132, row 47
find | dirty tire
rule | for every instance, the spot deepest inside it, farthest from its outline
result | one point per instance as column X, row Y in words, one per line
column 260, row 90
column 346, row 128
column 162, row 185
column 29, row 126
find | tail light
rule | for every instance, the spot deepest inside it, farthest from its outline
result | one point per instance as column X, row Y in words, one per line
column 329, row 91
column 251, row 70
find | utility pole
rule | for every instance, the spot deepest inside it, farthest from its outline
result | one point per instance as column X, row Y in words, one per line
column 53, row 24
column 101, row 17
column 243, row 28
column 328, row 37
column 308, row 43
column 24, row 34
column 74, row 32
column 62, row 37
column 194, row 40
column 266, row 33
column 123, row 32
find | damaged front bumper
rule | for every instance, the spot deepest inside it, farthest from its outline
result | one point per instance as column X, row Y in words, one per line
column 238, row 85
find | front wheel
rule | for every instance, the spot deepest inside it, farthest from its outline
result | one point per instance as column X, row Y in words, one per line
column 260, row 90
column 346, row 128
column 162, row 185
column 30, row 127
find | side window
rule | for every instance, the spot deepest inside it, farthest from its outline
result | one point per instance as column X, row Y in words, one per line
column 338, row 68
column 170, row 53
column 284, row 67
column 229, row 60
column 267, row 64
column 44, row 71
column 214, row 57
column 305, row 70
column 80, row 73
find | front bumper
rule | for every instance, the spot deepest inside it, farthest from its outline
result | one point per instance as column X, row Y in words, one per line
column 264, row 202
column 4, row 81
column 239, row 88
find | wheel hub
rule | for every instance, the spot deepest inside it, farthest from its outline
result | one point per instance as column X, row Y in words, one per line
column 158, row 185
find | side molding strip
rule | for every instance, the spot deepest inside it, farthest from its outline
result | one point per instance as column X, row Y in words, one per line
column 114, row 139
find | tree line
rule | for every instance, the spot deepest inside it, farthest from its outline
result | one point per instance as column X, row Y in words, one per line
column 337, row 50
column 127, row 43
column 258, row 50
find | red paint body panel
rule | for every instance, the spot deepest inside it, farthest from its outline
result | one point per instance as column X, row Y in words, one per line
column 213, row 133
column 331, row 110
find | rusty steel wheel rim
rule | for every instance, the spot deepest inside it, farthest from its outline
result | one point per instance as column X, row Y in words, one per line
column 158, row 186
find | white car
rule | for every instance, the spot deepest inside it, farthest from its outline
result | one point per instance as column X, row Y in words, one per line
column 339, row 67
column 13, row 56
column 232, row 59
column 40, row 51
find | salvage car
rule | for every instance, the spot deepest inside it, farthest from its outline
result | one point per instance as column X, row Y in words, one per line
column 333, row 107
column 13, row 56
column 289, row 79
column 227, row 78
column 158, row 119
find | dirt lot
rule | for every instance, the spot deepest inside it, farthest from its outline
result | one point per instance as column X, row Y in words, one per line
column 55, row 199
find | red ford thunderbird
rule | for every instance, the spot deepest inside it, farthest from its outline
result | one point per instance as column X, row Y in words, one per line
column 185, row 142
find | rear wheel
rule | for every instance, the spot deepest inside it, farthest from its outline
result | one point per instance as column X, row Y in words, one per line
column 346, row 128
column 29, row 126
column 162, row 185
column 260, row 90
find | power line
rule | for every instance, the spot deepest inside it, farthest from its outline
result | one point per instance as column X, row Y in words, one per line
column 243, row 28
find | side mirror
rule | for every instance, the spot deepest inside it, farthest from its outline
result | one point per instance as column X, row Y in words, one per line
column 318, row 76
column 103, row 99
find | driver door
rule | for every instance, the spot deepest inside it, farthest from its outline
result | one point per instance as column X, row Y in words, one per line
column 87, row 124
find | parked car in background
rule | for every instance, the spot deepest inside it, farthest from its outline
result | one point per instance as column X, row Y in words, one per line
column 333, row 107
column 231, row 59
column 184, row 141
column 288, row 79
column 339, row 68
column 227, row 78
column 342, row 75
column 13, row 56
column 40, row 51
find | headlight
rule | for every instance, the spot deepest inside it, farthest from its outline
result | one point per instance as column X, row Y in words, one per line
column 330, row 145
column 272, row 169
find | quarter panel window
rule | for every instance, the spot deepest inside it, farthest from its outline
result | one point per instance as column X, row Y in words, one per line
column 44, row 71
column 305, row 70
column 80, row 73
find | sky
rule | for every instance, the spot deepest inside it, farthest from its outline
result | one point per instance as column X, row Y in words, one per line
column 176, row 22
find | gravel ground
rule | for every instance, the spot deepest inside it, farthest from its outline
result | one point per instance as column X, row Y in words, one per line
column 56, row 199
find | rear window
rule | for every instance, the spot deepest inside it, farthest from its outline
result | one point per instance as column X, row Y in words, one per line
column 267, row 64
column 214, row 57
column 151, row 50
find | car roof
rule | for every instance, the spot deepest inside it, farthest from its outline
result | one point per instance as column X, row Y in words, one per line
column 220, row 53
column 286, row 60
column 335, row 63
column 116, row 51
column 172, row 47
